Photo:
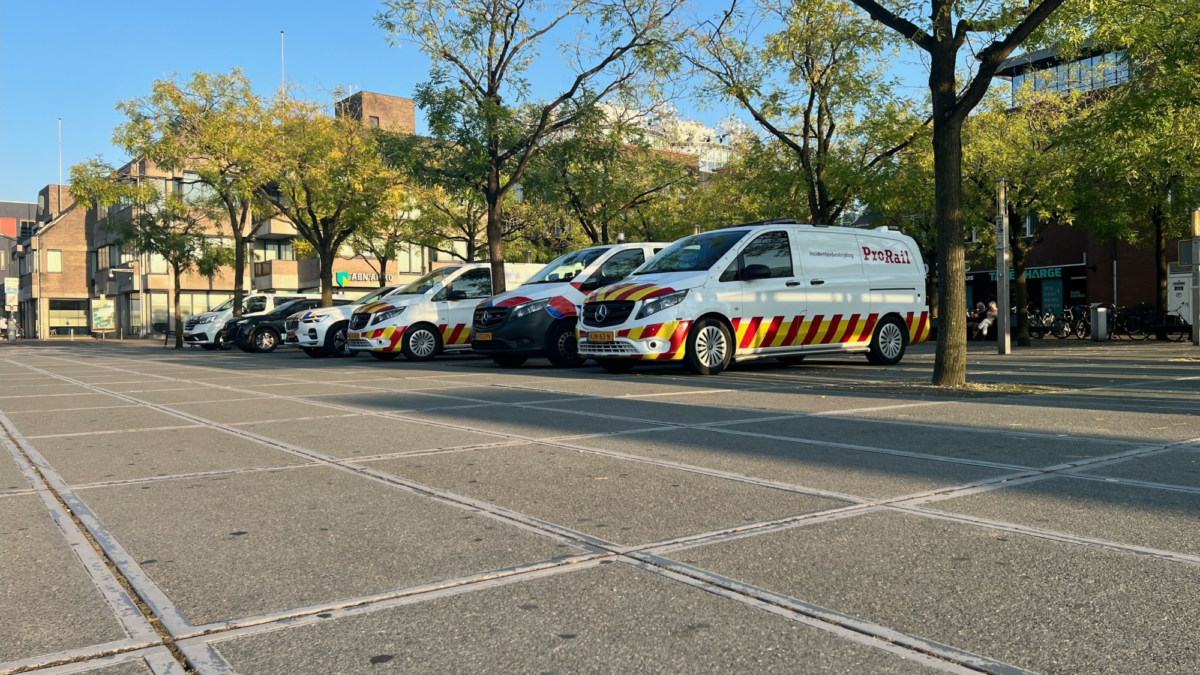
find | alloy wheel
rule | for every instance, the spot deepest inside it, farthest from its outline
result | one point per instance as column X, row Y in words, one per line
column 891, row 340
column 422, row 343
column 341, row 345
column 266, row 340
column 710, row 346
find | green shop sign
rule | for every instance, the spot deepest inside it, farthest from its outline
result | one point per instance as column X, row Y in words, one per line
column 1039, row 273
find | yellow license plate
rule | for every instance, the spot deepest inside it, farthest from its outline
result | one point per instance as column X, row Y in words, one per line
column 600, row 336
column 483, row 336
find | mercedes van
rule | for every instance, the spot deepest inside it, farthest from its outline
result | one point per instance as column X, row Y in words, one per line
column 776, row 289
column 430, row 316
column 538, row 318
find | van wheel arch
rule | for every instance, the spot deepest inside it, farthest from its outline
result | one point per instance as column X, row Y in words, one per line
column 728, row 326
column 437, row 336
column 556, row 330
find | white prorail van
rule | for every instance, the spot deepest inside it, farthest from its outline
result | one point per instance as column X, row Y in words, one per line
column 430, row 316
column 765, row 290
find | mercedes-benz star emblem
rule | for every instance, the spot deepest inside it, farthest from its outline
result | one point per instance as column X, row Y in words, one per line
column 601, row 313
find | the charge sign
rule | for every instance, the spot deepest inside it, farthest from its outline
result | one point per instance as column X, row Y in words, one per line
column 11, row 289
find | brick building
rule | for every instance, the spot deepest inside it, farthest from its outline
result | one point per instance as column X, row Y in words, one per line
column 51, row 259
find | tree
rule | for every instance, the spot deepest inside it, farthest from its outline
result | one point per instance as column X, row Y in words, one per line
column 817, row 86
column 604, row 172
column 993, row 29
column 1026, row 147
column 210, row 129
column 145, row 220
column 478, row 99
column 381, row 237
column 327, row 177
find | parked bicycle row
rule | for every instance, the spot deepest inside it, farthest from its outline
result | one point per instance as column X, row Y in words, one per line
column 1136, row 323
column 776, row 289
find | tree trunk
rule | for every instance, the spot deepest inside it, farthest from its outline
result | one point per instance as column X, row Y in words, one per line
column 239, row 271
column 1160, row 260
column 950, row 364
column 326, row 279
column 382, row 272
column 178, row 316
column 495, row 233
column 1018, row 264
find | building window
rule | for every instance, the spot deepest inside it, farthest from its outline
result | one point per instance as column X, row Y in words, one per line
column 23, row 267
column 273, row 249
column 68, row 317
column 3, row 260
column 93, row 265
column 373, row 121
column 158, row 264
column 27, row 228
column 54, row 262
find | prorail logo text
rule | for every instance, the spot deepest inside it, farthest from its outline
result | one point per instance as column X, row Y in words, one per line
column 889, row 257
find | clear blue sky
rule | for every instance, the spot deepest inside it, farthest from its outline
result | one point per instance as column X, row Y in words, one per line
column 75, row 59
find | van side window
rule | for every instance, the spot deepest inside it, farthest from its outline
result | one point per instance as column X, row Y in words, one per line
column 477, row 283
column 620, row 265
column 283, row 299
column 255, row 304
column 771, row 249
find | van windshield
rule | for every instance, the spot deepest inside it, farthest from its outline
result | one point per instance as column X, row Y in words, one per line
column 375, row 295
column 223, row 306
column 693, row 254
column 428, row 281
column 569, row 266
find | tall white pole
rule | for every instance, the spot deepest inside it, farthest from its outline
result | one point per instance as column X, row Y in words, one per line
column 1003, row 336
column 59, row 165
column 281, row 78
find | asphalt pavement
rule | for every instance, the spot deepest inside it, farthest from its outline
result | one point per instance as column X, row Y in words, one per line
column 219, row 512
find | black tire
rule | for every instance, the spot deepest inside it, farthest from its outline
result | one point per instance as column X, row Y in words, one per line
column 384, row 356
column 1136, row 328
column 246, row 348
column 888, row 342
column 1083, row 329
column 709, row 348
column 790, row 360
column 264, row 340
column 1060, row 329
column 509, row 361
column 336, row 342
column 314, row 352
column 421, row 342
column 617, row 365
column 209, row 347
column 561, row 347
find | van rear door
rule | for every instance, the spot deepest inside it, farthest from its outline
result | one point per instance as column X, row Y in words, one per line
column 894, row 277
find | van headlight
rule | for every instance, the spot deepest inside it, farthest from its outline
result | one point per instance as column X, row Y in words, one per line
column 527, row 309
column 205, row 319
column 660, row 303
column 389, row 314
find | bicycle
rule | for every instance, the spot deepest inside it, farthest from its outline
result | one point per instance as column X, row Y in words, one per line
column 1063, row 325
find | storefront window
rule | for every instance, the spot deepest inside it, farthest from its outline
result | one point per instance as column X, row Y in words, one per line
column 68, row 317
column 159, row 312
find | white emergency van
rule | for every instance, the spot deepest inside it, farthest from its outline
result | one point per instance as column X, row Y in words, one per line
column 207, row 329
column 538, row 318
column 430, row 316
column 323, row 331
column 775, row 289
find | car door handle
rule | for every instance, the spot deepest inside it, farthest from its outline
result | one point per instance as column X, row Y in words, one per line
column 793, row 283
column 816, row 282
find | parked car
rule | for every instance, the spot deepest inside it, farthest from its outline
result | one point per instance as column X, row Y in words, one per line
column 208, row 329
column 538, row 317
column 262, row 333
column 322, row 331
column 432, row 315
column 775, row 289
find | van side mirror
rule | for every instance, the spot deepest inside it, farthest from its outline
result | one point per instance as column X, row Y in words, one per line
column 457, row 295
column 752, row 272
column 591, row 284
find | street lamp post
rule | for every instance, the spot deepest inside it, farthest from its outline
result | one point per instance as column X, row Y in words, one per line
column 1003, row 337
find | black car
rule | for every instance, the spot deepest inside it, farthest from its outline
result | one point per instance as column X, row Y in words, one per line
column 262, row 333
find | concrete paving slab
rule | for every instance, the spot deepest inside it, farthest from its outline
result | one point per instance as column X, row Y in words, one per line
column 654, row 411
column 1176, row 467
column 128, row 668
column 11, row 477
column 791, row 399
column 296, row 388
column 405, row 383
column 589, row 382
column 192, row 394
column 1127, row 514
column 246, row 544
column 253, row 411
column 528, row 422
column 136, row 388
column 59, row 402
column 984, row 446
column 1030, row 413
column 1038, row 604
column 614, row 499
column 47, row 599
column 867, row 475
column 126, row 456
column 364, row 435
column 93, row 420
column 609, row 618
column 41, row 390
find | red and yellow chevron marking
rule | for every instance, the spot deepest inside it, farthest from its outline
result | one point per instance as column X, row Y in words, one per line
column 763, row 332
column 675, row 331
column 918, row 327
column 393, row 333
column 631, row 292
column 455, row 335
column 374, row 308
